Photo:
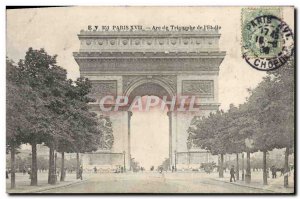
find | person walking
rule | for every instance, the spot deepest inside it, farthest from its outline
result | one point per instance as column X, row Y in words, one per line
column 273, row 169
column 24, row 171
column 232, row 172
column 29, row 172
column 268, row 172
column 80, row 172
column 160, row 169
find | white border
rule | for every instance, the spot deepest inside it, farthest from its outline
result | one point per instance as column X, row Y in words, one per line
column 4, row 3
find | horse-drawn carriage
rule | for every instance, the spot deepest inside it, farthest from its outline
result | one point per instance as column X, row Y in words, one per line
column 208, row 167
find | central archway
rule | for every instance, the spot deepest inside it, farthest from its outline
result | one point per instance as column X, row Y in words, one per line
column 144, row 88
column 150, row 136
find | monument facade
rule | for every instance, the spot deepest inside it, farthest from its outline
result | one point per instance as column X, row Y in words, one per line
column 159, row 63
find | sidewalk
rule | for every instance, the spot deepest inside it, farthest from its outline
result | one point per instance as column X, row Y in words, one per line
column 23, row 183
column 274, row 185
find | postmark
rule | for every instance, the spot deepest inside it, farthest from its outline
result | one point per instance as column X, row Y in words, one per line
column 267, row 42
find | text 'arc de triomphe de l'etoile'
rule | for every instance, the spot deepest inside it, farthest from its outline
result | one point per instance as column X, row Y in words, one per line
column 159, row 63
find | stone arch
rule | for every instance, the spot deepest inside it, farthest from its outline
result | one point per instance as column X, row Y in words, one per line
column 149, row 86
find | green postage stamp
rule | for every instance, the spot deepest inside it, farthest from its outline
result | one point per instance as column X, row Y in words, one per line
column 267, row 41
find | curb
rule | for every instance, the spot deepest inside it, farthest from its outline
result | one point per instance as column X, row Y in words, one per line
column 50, row 187
column 65, row 185
column 249, row 186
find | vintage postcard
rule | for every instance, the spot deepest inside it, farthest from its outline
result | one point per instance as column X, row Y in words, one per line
column 150, row 100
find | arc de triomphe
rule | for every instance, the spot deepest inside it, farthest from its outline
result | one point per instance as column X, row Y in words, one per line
column 156, row 63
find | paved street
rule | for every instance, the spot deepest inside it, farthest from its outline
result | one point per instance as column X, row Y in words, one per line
column 150, row 182
column 154, row 183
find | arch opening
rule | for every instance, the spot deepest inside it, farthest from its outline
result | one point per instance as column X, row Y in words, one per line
column 150, row 139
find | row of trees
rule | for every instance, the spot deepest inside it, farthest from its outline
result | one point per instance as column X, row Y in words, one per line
column 44, row 107
column 22, row 163
column 264, row 122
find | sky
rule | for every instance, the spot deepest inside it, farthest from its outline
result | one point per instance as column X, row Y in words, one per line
column 56, row 29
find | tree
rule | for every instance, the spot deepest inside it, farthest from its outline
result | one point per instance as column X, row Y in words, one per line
column 284, row 78
column 272, row 103
column 237, row 131
column 165, row 164
column 259, row 102
column 222, row 133
column 14, row 121
column 242, row 127
column 264, row 122
column 21, row 115
column 67, row 118
column 54, row 111
column 86, row 131
column 40, row 72
column 207, row 133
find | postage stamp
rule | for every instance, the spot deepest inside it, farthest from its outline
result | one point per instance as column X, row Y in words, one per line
column 267, row 41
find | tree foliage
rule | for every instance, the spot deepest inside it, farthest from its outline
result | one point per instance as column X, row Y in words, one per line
column 43, row 106
column 264, row 122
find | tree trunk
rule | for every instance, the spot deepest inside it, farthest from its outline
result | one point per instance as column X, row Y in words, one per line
column 33, row 176
column 62, row 171
column 286, row 167
column 265, row 168
column 52, row 175
column 77, row 165
column 237, row 167
column 55, row 161
column 221, row 169
column 13, row 169
column 49, row 167
column 243, row 167
column 248, row 169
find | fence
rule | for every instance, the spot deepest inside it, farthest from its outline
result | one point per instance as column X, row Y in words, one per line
column 104, row 160
column 191, row 159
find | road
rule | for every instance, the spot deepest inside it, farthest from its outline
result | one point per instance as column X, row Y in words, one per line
column 153, row 183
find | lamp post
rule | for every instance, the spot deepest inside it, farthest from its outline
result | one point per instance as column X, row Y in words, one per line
column 175, row 159
column 249, row 145
column 243, row 168
column 55, row 166
column 124, row 159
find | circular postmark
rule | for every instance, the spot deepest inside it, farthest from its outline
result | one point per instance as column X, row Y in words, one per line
column 268, row 43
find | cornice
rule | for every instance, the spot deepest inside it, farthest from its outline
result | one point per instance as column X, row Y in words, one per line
column 149, row 55
column 179, row 72
column 202, row 106
column 147, row 34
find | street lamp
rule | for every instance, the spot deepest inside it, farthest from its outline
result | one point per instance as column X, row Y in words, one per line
column 124, row 154
column 249, row 143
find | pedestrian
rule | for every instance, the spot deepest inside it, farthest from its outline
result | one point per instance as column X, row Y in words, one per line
column 7, row 177
column 80, row 172
column 273, row 169
column 24, row 171
column 29, row 172
column 173, row 168
column 232, row 172
column 160, row 169
column 281, row 171
column 65, row 173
